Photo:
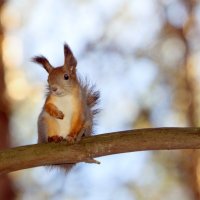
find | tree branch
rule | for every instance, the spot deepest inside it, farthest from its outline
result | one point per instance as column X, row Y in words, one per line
column 100, row 145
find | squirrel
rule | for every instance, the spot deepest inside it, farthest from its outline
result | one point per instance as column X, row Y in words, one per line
column 70, row 106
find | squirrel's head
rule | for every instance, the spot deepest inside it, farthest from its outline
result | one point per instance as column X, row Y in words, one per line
column 61, row 79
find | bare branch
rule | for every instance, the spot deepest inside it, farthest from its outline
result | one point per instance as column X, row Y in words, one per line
column 100, row 145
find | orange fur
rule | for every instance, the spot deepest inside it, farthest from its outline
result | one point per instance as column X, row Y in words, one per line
column 77, row 121
column 52, row 126
column 52, row 109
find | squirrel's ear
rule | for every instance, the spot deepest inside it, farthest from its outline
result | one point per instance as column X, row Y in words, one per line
column 70, row 61
column 44, row 62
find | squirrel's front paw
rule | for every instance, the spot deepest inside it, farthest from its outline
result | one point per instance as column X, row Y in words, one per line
column 59, row 115
column 55, row 138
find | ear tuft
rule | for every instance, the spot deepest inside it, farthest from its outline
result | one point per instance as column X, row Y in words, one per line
column 67, row 50
column 70, row 60
column 44, row 62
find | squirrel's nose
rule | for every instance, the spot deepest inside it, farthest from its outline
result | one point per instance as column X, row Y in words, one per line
column 54, row 88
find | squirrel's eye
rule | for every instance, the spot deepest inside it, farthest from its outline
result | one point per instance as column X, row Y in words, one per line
column 66, row 77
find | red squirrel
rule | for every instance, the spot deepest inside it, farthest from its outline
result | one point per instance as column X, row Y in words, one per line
column 70, row 106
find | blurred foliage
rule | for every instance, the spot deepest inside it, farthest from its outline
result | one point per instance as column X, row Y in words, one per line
column 144, row 57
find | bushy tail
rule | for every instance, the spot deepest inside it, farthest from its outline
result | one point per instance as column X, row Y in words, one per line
column 93, row 99
column 66, row 168
column 91, row 94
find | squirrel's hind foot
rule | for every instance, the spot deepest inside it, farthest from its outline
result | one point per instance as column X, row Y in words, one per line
column 71, row 139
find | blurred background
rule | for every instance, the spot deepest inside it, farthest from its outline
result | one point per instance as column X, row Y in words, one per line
column 143, row 55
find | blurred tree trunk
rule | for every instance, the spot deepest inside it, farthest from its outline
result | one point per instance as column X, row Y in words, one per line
column 188, row 163
column 6, row 188
column 183, row 81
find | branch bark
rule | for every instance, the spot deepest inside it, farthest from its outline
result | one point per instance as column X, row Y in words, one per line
column 100, row 145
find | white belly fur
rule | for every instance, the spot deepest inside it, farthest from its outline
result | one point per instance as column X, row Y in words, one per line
column 65, row 104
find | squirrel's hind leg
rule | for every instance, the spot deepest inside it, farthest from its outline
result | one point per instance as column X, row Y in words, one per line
column 86, row 131
column 48, row 130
